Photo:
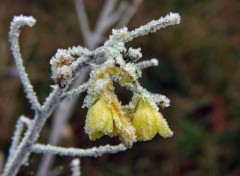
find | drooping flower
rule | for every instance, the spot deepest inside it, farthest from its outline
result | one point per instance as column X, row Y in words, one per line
column 123, row 126
column 137, row 121
column 148, row 122
column 106, row 117
column 99, row 120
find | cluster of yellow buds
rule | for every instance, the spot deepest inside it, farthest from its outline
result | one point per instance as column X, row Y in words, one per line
column 137, row 121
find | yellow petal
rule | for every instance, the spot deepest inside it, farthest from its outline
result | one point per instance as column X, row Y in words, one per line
column 94, row 136
column 162, row 125
column 99, row 119
column 126, row 78
column 144, row 121
column 117, row 120
column 124, row 128
column 113, row 70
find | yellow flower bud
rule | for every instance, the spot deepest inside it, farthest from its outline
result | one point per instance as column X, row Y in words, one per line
column 144, row 121
column 148, row 122
column 99, row 120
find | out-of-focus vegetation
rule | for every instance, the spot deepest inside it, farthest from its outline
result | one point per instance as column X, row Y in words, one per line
column 199, row 71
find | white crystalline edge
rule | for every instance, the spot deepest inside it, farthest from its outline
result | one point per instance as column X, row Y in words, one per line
column 22, row 21
column 132, row 70
column 154, row 61
column 135, row 53
column 76, row 162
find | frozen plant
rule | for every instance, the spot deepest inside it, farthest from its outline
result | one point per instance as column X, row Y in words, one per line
column 113, row 14
column 139, row 120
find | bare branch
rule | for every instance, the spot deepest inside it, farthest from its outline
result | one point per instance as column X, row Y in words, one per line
column 75, row 167
column 83, row 21
column 75, row 92
column 123, row 35
column 16, row 24
column 18, row 132
column 32, row 134
column 92, row 152
column 105, row 12
column 62, row 113
column 147, row 63
column 129, row 13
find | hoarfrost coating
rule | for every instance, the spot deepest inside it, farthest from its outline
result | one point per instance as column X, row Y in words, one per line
column 110, row 63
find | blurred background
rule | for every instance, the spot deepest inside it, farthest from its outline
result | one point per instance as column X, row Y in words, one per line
column 199, row 70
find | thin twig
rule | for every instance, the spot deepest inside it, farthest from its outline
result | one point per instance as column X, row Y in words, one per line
column 75, row 167
column 108, row 19
column 92, row 152
column 18, row 132
column 62, row 113
column 129, row 13
column 14, row 33
column 32, row 134
column 123, row 35
column 105, row 12
column 147, row 63
column 76, row 91
column 83, row 21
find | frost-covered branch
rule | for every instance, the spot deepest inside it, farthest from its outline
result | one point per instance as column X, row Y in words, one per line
column 91, row 40
column 32, row 134
column 14, row 33
column 18, row 132
column 123, row 35
column 76, row 167
column 147, row 63
column 76, row 91
column 92, row 152
column 112, row 62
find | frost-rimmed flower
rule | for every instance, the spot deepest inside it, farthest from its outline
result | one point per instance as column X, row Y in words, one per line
column 148, row 121
column 137, row 121
column 99, row 120
column 106, row 117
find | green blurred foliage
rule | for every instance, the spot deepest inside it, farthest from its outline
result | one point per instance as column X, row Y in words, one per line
column 198, row 71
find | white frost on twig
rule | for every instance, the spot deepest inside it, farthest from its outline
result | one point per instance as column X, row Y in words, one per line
column 76, row 167
column 18, row 132
column 76, row 91
column 147, row 63
column 16, row 24
column 92, row 152
column 113, row 49
column 123, row 35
